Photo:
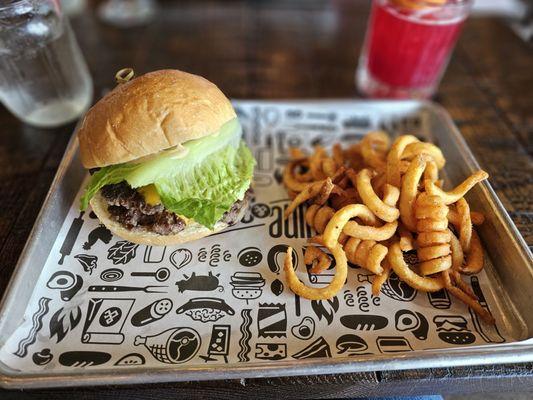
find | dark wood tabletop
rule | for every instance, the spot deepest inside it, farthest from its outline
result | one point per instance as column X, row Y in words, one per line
column 277, row 50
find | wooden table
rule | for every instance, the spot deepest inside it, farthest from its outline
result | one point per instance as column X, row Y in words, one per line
column 300, row 49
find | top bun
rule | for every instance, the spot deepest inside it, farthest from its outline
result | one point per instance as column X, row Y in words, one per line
column 151, row 113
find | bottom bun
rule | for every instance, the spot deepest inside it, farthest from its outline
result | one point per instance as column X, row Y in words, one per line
column 191, row 232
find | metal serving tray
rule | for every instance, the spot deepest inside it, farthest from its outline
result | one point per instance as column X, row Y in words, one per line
column 510, row 268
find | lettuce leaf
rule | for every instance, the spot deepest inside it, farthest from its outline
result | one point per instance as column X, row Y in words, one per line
column 202, row 184
column 209, row 190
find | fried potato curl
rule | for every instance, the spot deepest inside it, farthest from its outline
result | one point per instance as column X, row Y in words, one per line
column 373, row 201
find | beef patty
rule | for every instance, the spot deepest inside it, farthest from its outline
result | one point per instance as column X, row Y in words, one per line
column 127, row 206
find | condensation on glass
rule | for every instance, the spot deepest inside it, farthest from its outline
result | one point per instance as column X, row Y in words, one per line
column 44, row 80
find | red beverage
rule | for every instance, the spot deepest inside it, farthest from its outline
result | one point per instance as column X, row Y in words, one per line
column 407, row 48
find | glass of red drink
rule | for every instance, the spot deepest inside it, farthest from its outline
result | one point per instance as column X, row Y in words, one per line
column 407, row 46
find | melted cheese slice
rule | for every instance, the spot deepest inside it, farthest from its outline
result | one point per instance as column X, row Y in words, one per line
column 151, row 197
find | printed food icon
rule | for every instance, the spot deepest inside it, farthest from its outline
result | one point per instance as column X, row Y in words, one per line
column 250, row 256
column 206, row 309
column 42, row 357
column 131, row 359
column 350, row 344
column 247, row 285
column 305, row 329
column 173, row 346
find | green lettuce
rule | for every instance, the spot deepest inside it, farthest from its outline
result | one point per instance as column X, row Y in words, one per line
column 203, row 184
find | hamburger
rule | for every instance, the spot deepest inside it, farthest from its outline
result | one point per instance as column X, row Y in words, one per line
column 167, row 159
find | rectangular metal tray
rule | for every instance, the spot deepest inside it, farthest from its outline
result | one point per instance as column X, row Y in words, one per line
column 510, row 268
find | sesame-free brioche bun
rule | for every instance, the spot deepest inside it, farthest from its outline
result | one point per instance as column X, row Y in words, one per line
column 191, row 232
column 151, row 113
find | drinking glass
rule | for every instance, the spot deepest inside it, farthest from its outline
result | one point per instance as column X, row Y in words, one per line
column 407, row 46
column 44, row 80
column 127, row 13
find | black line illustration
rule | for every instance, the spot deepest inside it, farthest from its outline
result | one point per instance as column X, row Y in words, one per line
column 152, row 312
column 206, row 309
column 319, row 279
column 115, row 289
column 67, row 283
column 283, row 141
column 364, row 322
column 407, row 320
column 351, row 137
column 488, row 332
column 36, row 326
column 264, row 155
column 305, row 126
column 362, row 278
column 173, row 346
column 349, row 299
column 105, row 319
column 70, row 238
column 351, row 344
column 83, row 358
column 294, row 114
column 246, row 335
column 305, row 329
column 319, row 348
column 247, row 285
column 278, row 175
column 453, row 329
column 393, row 344
column 154, row 255
column 297, row 305
column 160, row 275
column 276, row 287
column 131, row 359
column 398, row 290
column 42, row 357
column 440, row 300
column 260, row 210
column 363, row 298
column 200, row 283
column 202, row 255
column 276, row 255
column 63, row 321
column 331, row 116
column 249, row 256
column 180, row 258
column 214, row 255
column 272, row 320
column 247, row 218
column 262, row 180
column 357, row 122
column 322, row 140
column 122, row 252
column 219, row 343
column 89, row 262
column 325, row 308
column 98, row 233
column 270, row 351
column 111, row 275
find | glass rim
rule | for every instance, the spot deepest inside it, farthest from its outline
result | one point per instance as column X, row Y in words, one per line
column 429, row 4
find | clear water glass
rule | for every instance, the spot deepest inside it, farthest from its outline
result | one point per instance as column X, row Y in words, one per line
column 44, row 79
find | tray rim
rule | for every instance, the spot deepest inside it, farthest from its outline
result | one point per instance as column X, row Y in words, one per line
column 516, row 352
